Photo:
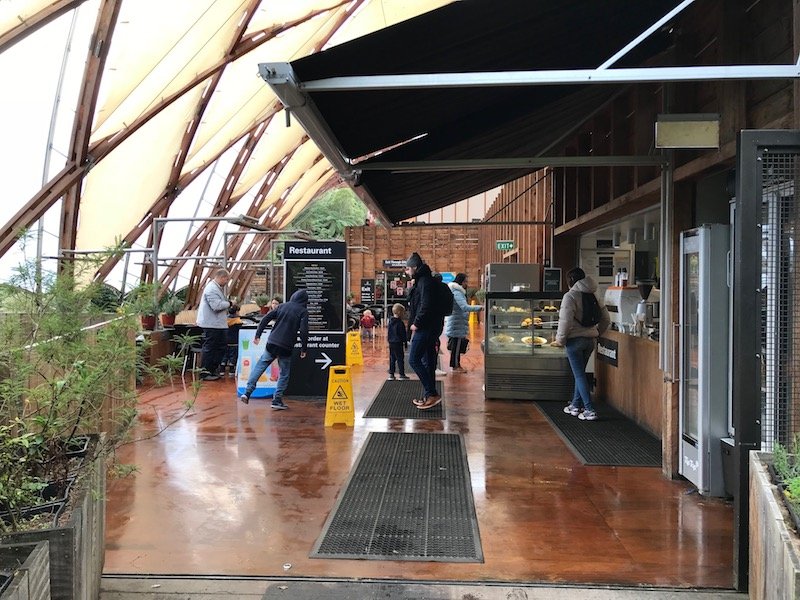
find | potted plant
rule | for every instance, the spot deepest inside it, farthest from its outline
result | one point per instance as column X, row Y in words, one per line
column 171, row 307
column 67, row 371
column 263, row 302
column 146, row 301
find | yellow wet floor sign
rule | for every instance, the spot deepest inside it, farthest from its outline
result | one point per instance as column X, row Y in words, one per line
column 340, row 408
column 354, row 354
column 473, row 316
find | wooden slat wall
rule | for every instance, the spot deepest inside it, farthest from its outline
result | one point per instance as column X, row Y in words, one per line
column 444, row 247
column 528, row 198
column 464, row 248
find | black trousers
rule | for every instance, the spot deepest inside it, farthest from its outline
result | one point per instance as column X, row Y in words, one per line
column 397, row 357
column 215, row 345
column 455, row 353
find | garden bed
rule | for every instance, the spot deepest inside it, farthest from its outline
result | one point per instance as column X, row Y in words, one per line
column 774, row 543
column 76, row 542
column 27, row 568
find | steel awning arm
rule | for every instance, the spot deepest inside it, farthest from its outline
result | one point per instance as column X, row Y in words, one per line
column 551, row 77
column 282, row 80
column 539, row 162
column 646, row 33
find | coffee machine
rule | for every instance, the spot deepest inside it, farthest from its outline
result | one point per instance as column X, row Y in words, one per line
column 647, row 311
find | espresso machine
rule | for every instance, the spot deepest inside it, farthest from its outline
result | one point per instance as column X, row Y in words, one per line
column 647, row 311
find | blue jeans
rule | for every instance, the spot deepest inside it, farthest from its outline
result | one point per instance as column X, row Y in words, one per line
column 579, row 350
column 285, row 364
column 422, row 358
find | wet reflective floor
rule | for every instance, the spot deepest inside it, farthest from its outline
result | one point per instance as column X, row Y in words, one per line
column 234, row 489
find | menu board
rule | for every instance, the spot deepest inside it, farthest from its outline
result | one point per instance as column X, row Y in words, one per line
column 324, row 282
column 322, row 278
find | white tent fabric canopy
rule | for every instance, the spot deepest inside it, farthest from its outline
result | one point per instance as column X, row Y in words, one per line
column 178, row 122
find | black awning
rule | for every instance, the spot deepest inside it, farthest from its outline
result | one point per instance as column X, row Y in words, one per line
column 473, row 123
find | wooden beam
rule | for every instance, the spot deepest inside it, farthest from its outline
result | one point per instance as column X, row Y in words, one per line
column 84, row 115
column 36, row 22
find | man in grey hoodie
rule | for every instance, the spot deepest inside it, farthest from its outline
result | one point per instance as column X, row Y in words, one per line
column 291, row 319
column 579, row 339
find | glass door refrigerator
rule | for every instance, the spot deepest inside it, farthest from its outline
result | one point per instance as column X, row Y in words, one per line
column 703, row 395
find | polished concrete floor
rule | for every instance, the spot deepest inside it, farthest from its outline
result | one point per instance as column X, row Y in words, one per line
column 238, row 490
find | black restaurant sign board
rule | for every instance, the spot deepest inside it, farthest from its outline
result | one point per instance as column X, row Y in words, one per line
column 607, row 351
column 319, row 268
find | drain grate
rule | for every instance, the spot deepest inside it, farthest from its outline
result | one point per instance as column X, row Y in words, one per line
column 611, row 440
column 394, row 402
column 409, row 497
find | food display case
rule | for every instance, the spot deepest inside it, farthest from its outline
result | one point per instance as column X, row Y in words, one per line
column 519, row 361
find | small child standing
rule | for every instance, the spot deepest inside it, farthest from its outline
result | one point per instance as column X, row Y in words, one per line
column 398, row 341
column 367, row 324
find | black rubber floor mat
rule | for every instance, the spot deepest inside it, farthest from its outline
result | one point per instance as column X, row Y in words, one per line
column 408, row 497
column 613, row 439
column 394, row 402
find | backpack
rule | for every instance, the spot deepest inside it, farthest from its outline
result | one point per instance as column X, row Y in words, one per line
column 590, row 309
column 441, row 298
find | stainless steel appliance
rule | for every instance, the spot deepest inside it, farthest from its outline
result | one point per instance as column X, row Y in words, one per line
column 508, row 277
column 703, row 363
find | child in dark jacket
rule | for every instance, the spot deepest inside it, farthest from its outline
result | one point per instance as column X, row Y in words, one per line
column 398, row 341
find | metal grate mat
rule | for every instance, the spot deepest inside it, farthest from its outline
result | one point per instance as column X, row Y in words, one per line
column 611, row 440
column 393, row 401
column 408, row 497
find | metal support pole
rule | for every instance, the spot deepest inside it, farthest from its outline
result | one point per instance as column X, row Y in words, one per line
column 665, row 269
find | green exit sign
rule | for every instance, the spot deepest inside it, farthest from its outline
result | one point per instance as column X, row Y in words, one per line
column 505, row 244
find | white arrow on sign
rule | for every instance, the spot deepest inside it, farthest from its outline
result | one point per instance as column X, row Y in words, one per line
column 324, row 361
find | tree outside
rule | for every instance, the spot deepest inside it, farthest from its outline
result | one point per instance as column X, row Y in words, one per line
column 327, row 217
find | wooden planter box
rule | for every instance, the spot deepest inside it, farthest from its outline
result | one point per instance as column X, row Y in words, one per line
column 30, row 564
column 76, row 549
column 774, row 543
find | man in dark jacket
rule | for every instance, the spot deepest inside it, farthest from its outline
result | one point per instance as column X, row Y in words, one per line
column 426, row 326
column 291, row 319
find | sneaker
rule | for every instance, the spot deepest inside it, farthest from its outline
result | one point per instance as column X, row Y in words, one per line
column 245, row 399
column 404, row 377
column 588, row 415
column 440, row 373
column 429, row 402
column 390, row 378
column 459, row 370
column 279, row 406
column 571, row 410
column 209, row 378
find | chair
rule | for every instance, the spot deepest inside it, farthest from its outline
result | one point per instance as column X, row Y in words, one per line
column 377, row 312
column 191, row 349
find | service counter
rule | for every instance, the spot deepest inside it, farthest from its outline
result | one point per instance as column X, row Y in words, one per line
column 628, row 378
